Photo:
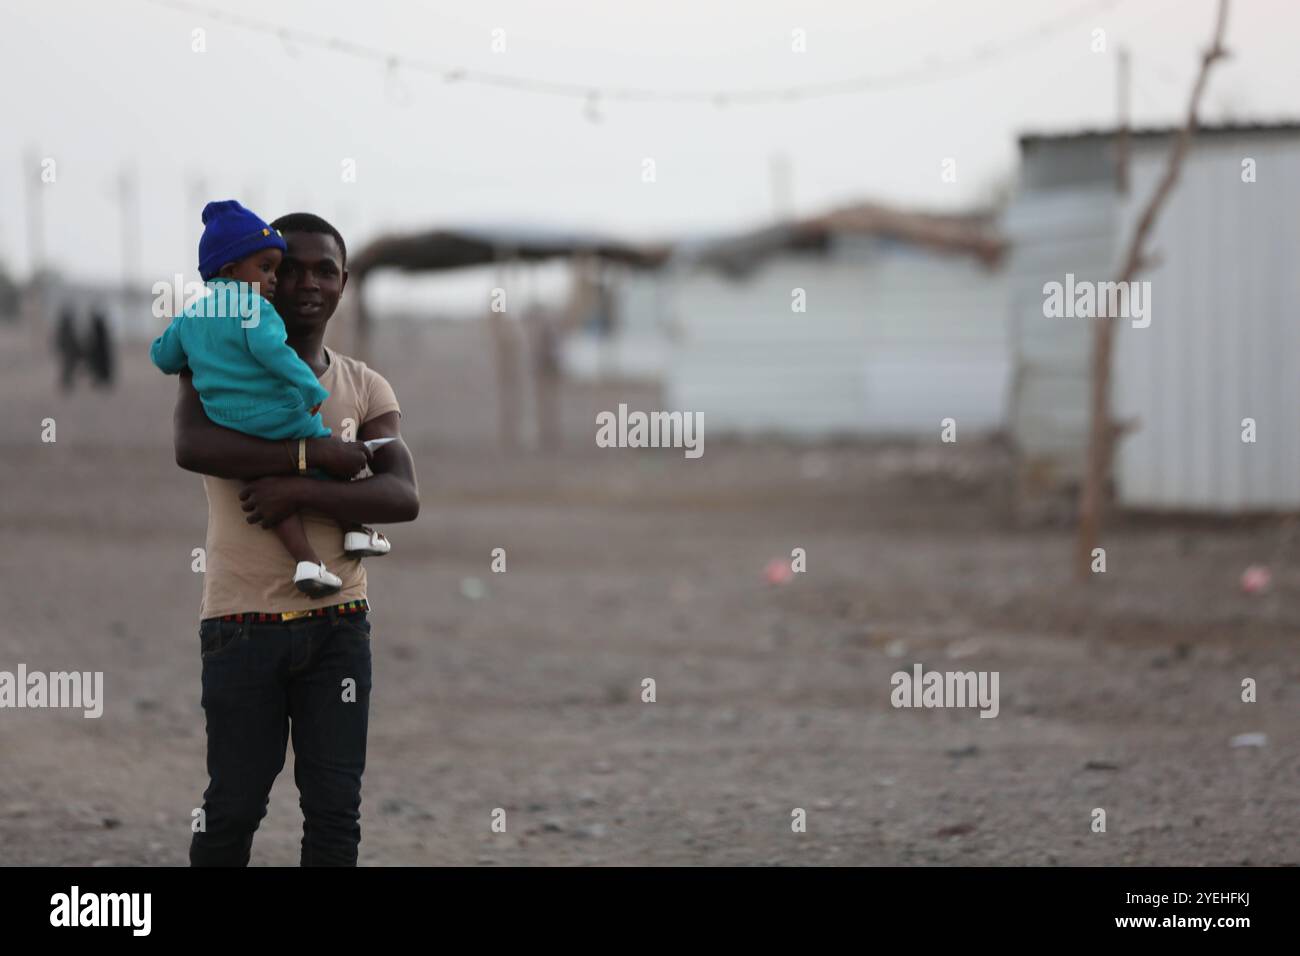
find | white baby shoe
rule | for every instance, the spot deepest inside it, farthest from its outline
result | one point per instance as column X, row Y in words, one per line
column 365, row 544
column 314, row 581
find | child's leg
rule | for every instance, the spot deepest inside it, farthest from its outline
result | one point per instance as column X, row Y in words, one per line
column 293, row 535
column 310, row 576
column 360, row 541
column 369, row 549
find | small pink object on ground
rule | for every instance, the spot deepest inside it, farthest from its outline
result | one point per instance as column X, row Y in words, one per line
column 1256, row 579
column 778, row 571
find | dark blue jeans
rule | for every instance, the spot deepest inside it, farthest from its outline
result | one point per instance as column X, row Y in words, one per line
column 263, row 683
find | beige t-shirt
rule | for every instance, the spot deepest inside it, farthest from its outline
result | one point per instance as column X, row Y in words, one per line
column 248, row 568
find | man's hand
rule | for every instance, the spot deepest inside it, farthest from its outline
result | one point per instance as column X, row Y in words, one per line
column 268, row 501
column 338, row 458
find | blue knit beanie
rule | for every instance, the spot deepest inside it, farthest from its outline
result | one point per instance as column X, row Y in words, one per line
column 231, row 232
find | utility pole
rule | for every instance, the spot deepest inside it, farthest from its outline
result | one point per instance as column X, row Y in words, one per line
column 196, row 198
column 128, row 197
column 34, row 301
column 35, row 211
column 1121, row 139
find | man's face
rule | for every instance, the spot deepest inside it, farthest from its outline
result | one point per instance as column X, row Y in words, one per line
column 310, row 280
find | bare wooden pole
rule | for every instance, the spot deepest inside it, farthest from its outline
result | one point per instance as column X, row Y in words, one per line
column 542, row 346
column 506, row 360
column 1103, row 431
column 361, row 339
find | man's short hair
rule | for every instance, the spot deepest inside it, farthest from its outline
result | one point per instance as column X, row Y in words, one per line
column 310, row 222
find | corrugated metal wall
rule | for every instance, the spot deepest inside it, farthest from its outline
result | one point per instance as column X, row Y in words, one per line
column 1052, row 233
column 893, row 340
column 639, row 345
column 1224, row 340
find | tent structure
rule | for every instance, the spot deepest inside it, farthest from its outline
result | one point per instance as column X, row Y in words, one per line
column 441, row 249
column 456, row 248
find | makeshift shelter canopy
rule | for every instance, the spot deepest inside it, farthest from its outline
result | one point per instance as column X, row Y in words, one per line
column 454, row 248
column 738, row 255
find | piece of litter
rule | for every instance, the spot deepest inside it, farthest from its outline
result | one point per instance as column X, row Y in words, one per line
column 1250, row 740
column 473, row 588
column 1256, row 579
column 955, row 830
column 964, row 649
column 778, row 571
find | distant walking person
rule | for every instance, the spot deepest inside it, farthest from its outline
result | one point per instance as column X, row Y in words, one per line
column 67, row 348
column 99, row 351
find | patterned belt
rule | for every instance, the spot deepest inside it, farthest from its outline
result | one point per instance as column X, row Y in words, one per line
column 258, row 617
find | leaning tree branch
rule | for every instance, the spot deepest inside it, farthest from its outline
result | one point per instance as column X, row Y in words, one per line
column 1103, row 431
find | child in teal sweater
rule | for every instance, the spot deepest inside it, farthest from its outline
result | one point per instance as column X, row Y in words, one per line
column 247, row 376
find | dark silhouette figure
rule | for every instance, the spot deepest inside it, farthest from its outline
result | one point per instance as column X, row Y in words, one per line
column 99, row 351
column 67, row 347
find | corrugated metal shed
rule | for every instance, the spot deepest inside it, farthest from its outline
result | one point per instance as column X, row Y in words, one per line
column 1223, row 340
column 638, row 344
column 1054, row 232
column 898, row 335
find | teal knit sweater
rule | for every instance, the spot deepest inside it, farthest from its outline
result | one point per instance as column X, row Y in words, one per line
column 233, row 341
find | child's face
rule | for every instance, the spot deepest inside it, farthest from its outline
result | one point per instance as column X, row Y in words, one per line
column 259, row 267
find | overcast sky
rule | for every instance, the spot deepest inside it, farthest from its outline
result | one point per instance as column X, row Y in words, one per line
column 101, row 86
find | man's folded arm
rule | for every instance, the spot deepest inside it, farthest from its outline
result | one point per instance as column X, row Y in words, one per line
column 210, row 449
column 389, row 496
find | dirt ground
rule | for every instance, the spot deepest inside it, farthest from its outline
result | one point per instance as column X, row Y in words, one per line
column 522, row 690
